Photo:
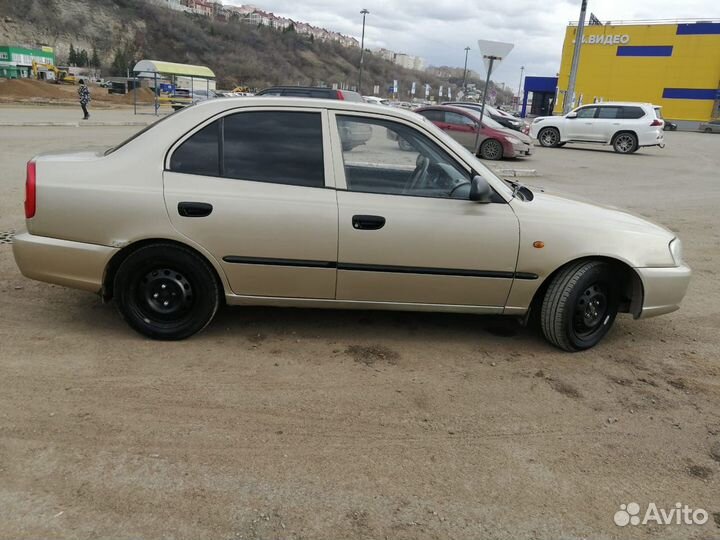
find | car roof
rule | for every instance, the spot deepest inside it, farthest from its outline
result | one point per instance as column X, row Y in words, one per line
column 215, row 106
column 623, row 103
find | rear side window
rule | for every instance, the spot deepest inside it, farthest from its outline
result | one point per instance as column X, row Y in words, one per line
column 276, row 147
column 633, row 113
column 610, row 112
column 199, row 153
column 434, row 116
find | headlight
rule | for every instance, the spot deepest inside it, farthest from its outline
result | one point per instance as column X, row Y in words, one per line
column 514, row 140
column 676, row 250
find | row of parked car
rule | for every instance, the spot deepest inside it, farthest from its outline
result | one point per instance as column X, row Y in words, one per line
column 495, row 134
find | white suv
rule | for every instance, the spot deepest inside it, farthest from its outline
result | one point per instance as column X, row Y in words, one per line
column 626, row 126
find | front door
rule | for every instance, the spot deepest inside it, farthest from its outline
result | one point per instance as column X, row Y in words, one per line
column 583, row 126
column 251, row 188
column 408, row 232
column 461, row 128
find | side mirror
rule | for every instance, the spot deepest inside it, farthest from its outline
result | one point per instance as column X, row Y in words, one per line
column 571, row 115
column 480, row 190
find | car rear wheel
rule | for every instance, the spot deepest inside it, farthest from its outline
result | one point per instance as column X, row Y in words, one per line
column 708, row 130
column 491, row 149
column 549, row 137
column 625, row 143
column 166, row 292
column 580, row 305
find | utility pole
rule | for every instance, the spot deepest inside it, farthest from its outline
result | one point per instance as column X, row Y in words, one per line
column 522, row 69
column 569, row 100
column 364, row 13
column 467, row 50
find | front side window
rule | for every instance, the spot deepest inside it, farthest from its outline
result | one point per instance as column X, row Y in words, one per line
column 269, row 146
column 395, row 159
column 587, row 112
column 457, row 119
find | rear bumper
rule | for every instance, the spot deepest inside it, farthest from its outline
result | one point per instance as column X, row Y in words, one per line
column 664, row 289
column 653, row 138
column 71, row 264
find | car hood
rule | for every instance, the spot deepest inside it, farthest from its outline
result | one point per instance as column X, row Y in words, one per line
column 517, row 134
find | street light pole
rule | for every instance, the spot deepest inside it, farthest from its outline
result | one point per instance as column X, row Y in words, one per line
column 467, row 50
column 364, row 13
column 569, row 100
column 522, row 69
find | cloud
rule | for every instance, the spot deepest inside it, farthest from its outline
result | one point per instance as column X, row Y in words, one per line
column 439, row 30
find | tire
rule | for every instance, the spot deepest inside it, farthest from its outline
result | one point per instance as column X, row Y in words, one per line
column 549, row 137
column 625, row 143
column 708, row 130
column 491, row 149
column 580, row 305
column 166, row 292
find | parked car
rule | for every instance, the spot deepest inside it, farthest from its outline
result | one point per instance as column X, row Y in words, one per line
column 501, row 117
column 625, row 126
column 228, row 204
column 311, row 92
column 713, row 126
column 181, row 99
column 489, row 140
column 376, row 100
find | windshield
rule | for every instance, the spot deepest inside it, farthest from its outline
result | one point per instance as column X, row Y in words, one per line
column 487, row 121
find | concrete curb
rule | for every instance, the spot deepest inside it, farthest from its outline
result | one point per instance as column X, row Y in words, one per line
column 74, row 124
column 517, row 172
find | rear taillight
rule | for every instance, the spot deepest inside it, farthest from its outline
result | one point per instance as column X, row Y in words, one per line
column 656, row 122
column 30, row 190
column 340, row 95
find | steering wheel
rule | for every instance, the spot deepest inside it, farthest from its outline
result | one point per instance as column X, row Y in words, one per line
column 457, row 186
column 422, row 164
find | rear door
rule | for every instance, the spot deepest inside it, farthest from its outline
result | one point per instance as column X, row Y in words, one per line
column 251, row 188
column 608, row 122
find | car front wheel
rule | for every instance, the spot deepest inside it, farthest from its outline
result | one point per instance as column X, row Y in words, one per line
column 166, row 292
column 549, row 137
column 491, row 149
column 625, row 143
column 580, row 305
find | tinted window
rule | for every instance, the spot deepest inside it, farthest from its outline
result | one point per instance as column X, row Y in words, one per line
column 587, row 112
column 434, row 116
column 633, row 113
column 199, row 153
column 277, row 147
column 396, row 159
column 609, row 112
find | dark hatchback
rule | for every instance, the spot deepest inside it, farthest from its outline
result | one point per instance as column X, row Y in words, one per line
column 311, row 92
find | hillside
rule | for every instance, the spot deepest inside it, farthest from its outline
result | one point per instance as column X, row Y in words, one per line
column 123, row 31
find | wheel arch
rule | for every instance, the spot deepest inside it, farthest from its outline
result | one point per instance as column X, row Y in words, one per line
column 621, row 131
column 118, row 258
column 632, row 287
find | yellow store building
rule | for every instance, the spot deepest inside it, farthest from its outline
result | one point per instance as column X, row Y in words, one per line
column 675, row 65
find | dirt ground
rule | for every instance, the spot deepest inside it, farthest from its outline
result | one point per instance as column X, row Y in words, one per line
column 42, row 92
column 300, row 424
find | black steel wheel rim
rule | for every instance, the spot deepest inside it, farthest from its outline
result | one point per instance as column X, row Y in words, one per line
column 164, row 295
column 591, row 310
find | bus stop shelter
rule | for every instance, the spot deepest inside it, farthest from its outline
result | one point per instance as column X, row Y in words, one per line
column 158, row 70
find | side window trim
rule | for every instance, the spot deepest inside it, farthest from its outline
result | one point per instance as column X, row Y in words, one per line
column 328, row 159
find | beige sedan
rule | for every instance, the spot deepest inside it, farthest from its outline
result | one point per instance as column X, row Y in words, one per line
column 260, row 201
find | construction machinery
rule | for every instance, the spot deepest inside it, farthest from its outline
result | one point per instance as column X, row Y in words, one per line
column 51, row 73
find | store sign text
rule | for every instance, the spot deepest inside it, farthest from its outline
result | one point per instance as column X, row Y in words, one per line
column 614, row 39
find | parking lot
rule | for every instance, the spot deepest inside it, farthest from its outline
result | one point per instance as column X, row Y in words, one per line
column 282, row 423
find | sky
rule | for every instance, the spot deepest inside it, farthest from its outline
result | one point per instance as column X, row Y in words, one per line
column 439, row 31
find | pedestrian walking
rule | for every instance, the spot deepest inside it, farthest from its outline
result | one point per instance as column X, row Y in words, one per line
column 84, row 94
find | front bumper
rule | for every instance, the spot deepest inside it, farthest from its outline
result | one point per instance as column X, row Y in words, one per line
column 521, row 149
column 664, row 289
column 71, row 264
